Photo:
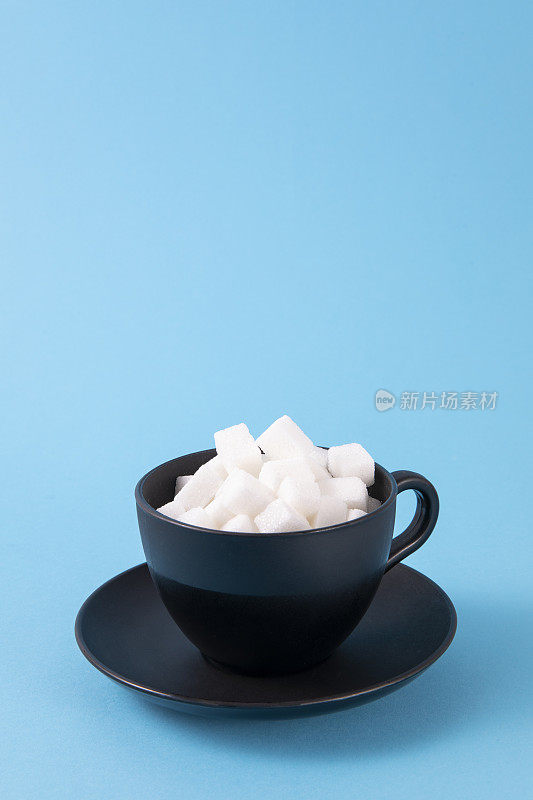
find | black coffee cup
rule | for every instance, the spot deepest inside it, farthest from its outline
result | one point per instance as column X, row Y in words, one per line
column 267, row 603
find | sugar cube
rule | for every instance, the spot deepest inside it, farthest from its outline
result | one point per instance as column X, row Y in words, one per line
column 196, row 516
column 373, row 504
column 202, row 487
column 331, row 511
column 302, row 495
column 273, row 472
column 216, row 464
column 181, row 480
column 174, row 509
column 284, row 439
column 355, row 513
column 236, row 448
column 278, row 517
column 352, row 490
column 218, row 513
column 320, row 454
column 349, row 460
column 241, row 493
column 319, row 471
column 241, row 523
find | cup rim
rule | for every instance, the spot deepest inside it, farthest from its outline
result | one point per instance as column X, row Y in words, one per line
column 148, row 509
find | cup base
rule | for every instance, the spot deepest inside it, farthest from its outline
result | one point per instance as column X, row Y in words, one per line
column 234, row 670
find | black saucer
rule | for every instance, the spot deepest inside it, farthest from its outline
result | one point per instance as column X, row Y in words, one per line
column 124, row 630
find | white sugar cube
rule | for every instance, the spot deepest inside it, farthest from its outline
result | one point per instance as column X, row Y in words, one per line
column 241, row 493
column 217, row 465
column 218, row 513
column 355, row 513
column 373, row 504
column 237, row 449
column 181, row 480
column 202, row 487
column 317, row 467
column 331, row 511
column 271, row 475
column 278, row 517
column 351, row 460
column 320, row 455
column 273, row 472
column 352, row 490
column 284, row 439
column 241, row 523
column 174, row 509
column 302, row 495
column 196, row 516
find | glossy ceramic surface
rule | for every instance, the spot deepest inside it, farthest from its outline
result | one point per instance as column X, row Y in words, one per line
column 124, row 630
column 274, row 603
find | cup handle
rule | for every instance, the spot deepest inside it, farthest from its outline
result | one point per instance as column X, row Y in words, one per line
column 424, row 520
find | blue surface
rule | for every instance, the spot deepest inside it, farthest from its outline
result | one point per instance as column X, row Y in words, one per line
column 215, row 212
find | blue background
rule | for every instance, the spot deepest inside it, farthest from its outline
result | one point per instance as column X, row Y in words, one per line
column 215, row 212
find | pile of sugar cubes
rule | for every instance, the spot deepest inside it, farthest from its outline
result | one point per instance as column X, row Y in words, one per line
column 278, row 482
